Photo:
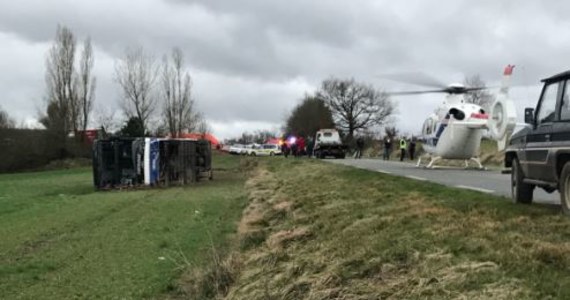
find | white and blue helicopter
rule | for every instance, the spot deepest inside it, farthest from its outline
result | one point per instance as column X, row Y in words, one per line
column 455, row 129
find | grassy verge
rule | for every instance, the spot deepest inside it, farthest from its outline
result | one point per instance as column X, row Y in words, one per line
column 318, row 231
column 60, row 239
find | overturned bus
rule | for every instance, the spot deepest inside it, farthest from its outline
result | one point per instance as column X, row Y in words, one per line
column 128, row 162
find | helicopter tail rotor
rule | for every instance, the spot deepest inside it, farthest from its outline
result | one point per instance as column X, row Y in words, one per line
column 503, row 117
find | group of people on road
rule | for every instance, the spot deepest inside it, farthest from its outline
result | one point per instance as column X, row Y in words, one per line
column 406, row 146
column 297, row 147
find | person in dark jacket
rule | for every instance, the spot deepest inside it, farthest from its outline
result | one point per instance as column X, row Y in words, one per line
column 310, row 147
column 359, row 147
column 387, row 147
column 412, row 148
column 294, row 149
column 285, row 149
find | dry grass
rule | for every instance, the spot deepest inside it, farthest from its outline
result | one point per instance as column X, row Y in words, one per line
column 282, row 238
column 212, row 281
column 318, row 231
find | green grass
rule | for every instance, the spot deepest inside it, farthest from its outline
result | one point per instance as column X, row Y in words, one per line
column 338, row 232
column 60, row 239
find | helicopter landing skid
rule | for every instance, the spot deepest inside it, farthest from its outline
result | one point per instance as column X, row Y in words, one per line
column 431, row 163
column 433, row 160
column 477, row 161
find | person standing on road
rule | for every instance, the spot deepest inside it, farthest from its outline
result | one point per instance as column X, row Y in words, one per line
column 387, row 147
column 359, row 147
column 294, row 149
column 403, row 147
column 412, row 148
column 310, row 146
column 285, row 149
column 300, row 146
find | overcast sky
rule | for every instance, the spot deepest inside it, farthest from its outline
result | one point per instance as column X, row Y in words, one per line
column 252, row 60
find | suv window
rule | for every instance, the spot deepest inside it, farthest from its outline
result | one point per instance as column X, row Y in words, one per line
column 547, row 110
column 327, row 134
column 565, row 107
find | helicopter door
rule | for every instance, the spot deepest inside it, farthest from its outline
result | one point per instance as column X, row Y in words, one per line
column 539, row 140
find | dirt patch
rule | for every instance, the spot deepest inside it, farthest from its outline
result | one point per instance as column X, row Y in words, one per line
column 417, row 206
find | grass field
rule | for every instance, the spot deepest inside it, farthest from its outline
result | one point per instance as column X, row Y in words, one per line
column 319, row 231
column 309, row 230
column 60, row 239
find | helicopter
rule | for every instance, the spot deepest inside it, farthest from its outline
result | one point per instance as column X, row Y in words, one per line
column 455, row 129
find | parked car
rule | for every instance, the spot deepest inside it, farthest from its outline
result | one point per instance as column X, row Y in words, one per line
column 236, row 149
column 265, row 150
column 247, row 149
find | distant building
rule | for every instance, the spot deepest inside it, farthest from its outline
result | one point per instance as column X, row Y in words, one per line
column 89, row 135
column 273, row 141
column 203, row 136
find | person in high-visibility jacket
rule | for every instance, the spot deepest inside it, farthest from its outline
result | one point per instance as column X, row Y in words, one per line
column 403, row 147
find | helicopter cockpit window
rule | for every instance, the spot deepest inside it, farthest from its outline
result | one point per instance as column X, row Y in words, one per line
column 547, row 110
column 565, row 106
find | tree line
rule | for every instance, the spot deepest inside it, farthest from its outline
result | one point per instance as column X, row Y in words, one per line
column 155, row 97
column 147, row 88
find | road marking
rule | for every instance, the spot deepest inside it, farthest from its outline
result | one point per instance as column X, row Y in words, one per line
column 475, row 189
column 416, row 178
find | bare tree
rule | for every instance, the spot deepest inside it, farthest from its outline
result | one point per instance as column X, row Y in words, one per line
column 178, row 110
column 5, row 120
column 86, row 85
column 481, row 97
column 105, row 118
column 136, row 74
column 202, row 125
column 391, row 132
column 61, row 93
column 355, row 105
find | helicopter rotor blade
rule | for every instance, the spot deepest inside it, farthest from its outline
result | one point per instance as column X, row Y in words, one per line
column 417, row 78
column 406, row 93
column 478, row 88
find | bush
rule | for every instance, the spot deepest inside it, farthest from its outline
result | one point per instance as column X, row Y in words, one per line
column 32, row 149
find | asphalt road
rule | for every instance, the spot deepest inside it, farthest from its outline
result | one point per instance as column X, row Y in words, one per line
column 491, row 182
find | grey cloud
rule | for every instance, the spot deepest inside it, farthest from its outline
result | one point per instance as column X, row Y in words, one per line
column 252, row 60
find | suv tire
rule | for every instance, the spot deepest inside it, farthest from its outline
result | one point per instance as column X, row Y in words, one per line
column 564, row 188
column 521, row 192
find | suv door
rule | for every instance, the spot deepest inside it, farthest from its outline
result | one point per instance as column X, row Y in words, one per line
column 561, row 129
column 535, row 163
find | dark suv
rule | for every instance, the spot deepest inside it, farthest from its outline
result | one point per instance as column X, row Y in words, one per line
column 539, row 155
